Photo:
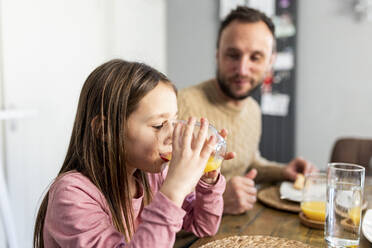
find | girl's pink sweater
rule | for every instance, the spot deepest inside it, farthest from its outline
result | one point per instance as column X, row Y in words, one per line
column 78, row 214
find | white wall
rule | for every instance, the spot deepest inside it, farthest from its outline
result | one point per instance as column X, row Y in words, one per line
column 334, row 83
column 49, row 48
column 138, row 31
column 191, row 40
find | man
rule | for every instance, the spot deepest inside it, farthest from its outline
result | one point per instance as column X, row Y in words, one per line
column 245, row 55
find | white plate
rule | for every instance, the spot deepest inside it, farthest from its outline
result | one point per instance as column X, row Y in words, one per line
column 367, row 225
column 289, row 193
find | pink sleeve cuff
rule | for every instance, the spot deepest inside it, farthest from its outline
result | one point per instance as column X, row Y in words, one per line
column 217, row 188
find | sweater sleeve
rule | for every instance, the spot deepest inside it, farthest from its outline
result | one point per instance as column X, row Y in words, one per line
column 268, row 171
column 183, row 107
column 204, row 208
column 77, row 218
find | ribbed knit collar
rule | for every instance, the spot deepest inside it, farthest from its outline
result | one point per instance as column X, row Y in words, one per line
column 215, row 97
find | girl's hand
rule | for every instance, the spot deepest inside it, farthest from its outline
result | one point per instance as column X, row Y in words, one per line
column 189, row 157
column 211, row 177
column 228, row 155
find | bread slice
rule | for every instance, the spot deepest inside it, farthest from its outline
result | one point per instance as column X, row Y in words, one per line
column 300, row 182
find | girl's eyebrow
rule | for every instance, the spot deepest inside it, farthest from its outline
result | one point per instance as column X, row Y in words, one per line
column 162, row 115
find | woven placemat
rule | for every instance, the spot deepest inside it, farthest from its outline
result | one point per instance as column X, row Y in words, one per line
column 256, row 241
column 270, row 196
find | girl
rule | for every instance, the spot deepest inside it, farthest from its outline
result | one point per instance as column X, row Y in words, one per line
column 113, row 189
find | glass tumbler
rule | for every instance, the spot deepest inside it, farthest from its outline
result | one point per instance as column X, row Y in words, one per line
column 345, row 183
column 313, row 203
column 218, row 154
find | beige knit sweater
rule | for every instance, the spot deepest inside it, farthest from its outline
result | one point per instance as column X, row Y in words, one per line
column 243, row 125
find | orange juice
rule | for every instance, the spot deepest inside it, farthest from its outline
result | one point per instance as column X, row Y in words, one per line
column 314, row 210
column 212, row 164
column 166, row 157
column 354, row 215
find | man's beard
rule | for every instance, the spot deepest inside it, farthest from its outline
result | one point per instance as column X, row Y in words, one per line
column 224, row 86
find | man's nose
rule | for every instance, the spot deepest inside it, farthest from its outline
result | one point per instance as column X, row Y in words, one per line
column 244, row 66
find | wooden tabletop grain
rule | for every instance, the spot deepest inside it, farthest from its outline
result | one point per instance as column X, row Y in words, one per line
column 262, row 220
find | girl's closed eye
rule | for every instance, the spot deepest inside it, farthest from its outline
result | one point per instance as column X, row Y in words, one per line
column 158, row 127
column 166, row 123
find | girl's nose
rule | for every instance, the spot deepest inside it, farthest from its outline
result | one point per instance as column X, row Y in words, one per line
column 168, row 133
column 168, row 140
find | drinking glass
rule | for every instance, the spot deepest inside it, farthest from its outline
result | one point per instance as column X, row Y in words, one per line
column 313, row 203
column 218, row 154
column 345, row 183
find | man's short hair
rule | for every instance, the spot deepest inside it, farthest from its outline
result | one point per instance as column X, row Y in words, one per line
column 247, row 15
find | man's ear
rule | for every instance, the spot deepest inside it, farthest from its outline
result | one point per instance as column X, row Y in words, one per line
column 98, row 124
column 270, row 68
column 272, row 60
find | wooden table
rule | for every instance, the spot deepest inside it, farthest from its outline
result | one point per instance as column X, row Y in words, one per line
column 263, row 220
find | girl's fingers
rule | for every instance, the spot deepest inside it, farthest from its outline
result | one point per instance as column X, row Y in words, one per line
column 210, row 177
column 188, row 132
column 223, row 133
column 229, row 155
column 212, row 174
column 193, row 141
column 208, row 147
column 202, row 135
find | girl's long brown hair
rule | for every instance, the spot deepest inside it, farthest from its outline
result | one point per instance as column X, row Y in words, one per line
column 97, row 146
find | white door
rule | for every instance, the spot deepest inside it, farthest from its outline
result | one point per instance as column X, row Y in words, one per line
column 48, row 49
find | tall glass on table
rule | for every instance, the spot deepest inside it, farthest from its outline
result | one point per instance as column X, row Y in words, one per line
column 345, row 183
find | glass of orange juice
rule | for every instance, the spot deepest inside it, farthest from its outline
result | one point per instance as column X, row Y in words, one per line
column 313, row 203
column 215, row 160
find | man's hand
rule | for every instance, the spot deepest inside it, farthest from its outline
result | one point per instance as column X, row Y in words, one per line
column 298, row 165
column 240, row 193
